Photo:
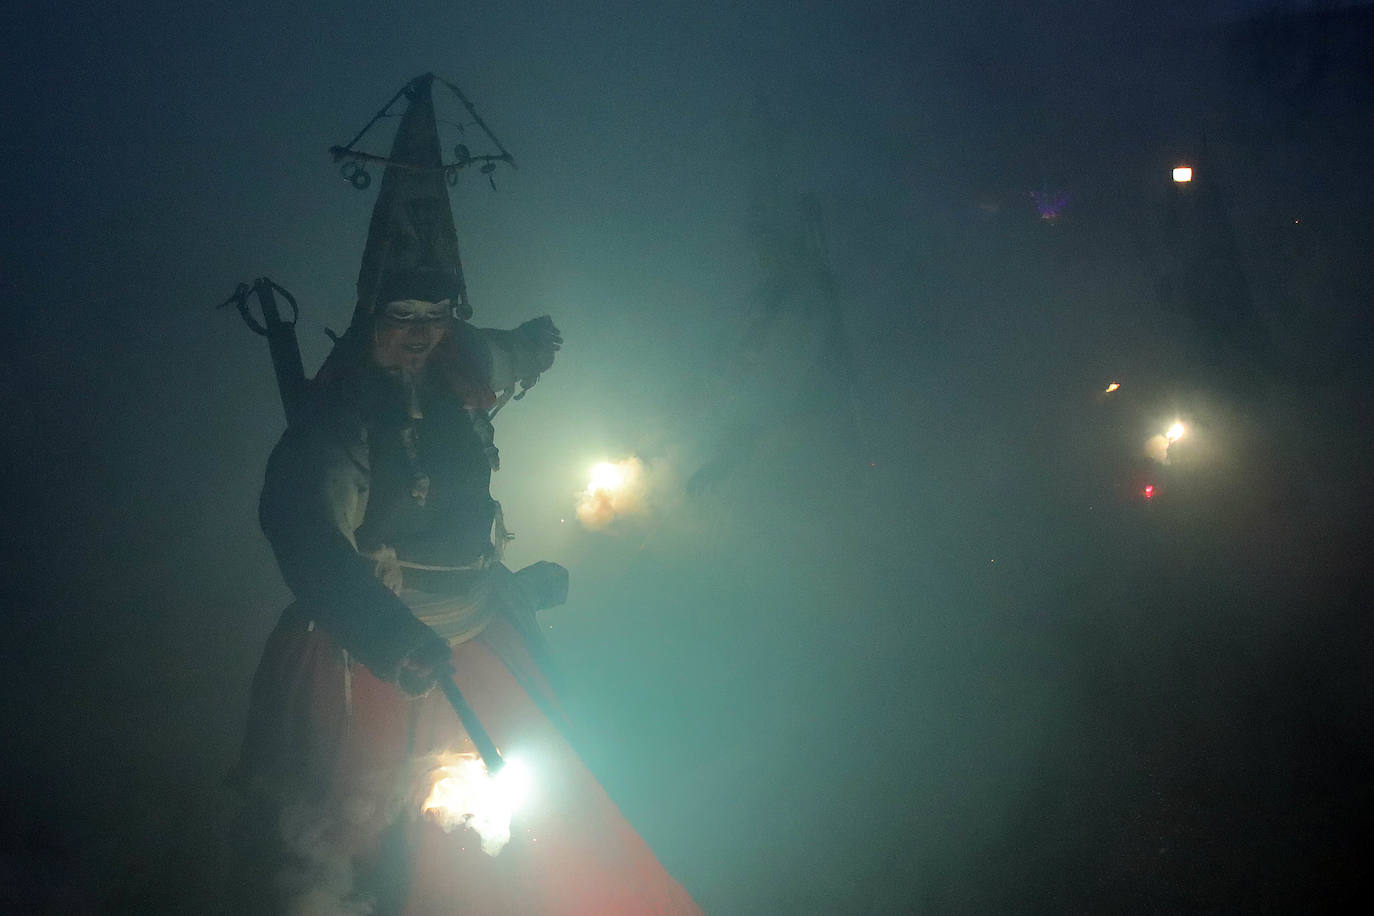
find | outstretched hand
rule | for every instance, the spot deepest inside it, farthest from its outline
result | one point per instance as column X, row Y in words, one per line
column 535, row 587
column 547, row 582
column 544, row 339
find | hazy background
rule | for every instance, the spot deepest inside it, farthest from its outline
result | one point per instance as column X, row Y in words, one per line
column 952, row 663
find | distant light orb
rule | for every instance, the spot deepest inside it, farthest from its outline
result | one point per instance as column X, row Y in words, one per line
column 1183, row 174
column 1175, row 432
column 606, row 476
column 1149, row 491
column 1112, row 387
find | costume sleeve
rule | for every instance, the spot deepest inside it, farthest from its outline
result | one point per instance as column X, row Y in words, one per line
column 480, row 363
column 312, row 502
column 506, row 351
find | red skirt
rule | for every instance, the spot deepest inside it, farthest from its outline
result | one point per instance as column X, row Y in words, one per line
column 330, row 737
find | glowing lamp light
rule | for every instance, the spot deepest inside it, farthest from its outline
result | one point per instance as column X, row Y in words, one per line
column 1183, row 174
column 1149, row 491
column 1112, row 387
column 1175, row 432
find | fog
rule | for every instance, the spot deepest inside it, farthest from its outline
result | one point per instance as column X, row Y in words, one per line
column 928, row 647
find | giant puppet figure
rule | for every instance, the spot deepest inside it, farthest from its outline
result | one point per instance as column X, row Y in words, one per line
column 377, row 506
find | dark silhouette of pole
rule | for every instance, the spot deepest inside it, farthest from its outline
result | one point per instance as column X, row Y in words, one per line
column 473, row 725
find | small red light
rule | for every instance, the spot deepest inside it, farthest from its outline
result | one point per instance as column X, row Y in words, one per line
column 1149, row 491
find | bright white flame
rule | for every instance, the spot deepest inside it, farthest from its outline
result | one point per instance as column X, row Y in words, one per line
column 616, row 489
column 1175, row 432
column 1112, row 387
column 606, row 476
column 462, row 793
column 514, row 783
column 1183, row 174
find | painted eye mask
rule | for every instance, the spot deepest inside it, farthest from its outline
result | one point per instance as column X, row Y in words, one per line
column 406, row 313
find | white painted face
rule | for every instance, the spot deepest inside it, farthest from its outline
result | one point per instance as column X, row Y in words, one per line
column 407, row 331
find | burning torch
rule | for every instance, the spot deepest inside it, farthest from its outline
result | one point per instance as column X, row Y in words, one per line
column 464, row 791
column 471, row 724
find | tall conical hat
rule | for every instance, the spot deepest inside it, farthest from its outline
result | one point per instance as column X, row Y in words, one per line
column 412, row 246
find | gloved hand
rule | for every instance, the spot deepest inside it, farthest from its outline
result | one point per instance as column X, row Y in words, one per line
column 533, row 588
column 421, row 669
column 546, row 582
column 542, row 340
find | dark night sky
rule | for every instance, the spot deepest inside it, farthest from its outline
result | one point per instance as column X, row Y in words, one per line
column 950, row 664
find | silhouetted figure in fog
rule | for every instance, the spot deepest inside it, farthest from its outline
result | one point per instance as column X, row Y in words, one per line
column 790, row 374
